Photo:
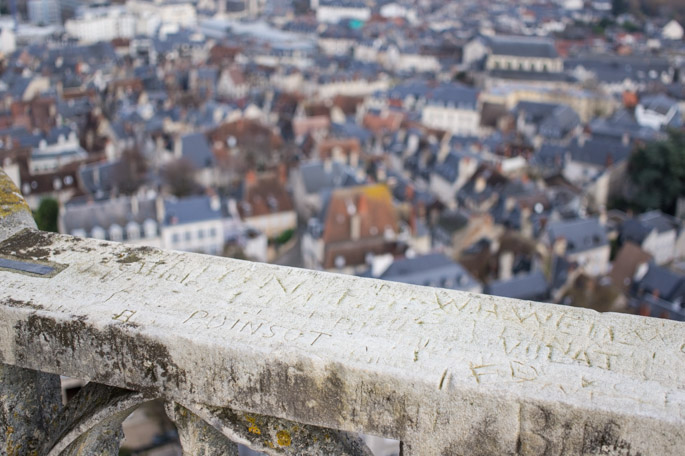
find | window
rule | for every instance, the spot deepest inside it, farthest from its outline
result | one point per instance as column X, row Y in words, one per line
column 188, row 235
column 212, row 232
column 175, row 238
column 201, row 234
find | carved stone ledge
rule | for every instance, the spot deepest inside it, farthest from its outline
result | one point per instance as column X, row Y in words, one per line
column 445, row 372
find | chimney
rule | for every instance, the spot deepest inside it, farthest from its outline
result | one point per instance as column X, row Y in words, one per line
column 159, row 205
column 215, row 203
column 480, row 184
column 250, row 178
column 506, row 265
column 559, row 246
column 603, row 215
column 355, row 226
column 625, row 139
column 135, row 205
column 282, row 174
column 409, row 193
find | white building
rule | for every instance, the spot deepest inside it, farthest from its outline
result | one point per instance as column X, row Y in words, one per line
column 193, row 224
column 672, row 31
column 334, row 11
column 178, row 13
column 657, row 112
column 453, row 108
column 581, row 241
column 54, row 153
column 395, row 10
column 102, row 24
column 8, row 39
column 656, row 233
column 44, row 12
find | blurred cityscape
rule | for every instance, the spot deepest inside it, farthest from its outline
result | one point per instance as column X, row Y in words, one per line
column 527, row 149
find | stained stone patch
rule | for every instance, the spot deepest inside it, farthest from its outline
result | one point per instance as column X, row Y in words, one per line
column 446, row 372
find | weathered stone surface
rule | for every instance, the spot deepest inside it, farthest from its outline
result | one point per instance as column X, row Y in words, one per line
column 28, row 398
column 90, row 424
column 448, row 373
column 197, row 437
column 28, row 401
column 276, row 436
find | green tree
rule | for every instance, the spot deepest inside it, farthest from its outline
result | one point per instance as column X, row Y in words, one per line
column 46, row 215
column 657, row 172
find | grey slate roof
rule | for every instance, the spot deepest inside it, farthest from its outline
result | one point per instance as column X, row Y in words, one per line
column 637, row 229
column 194, row 147
column 316, row 178
column 106, row 213
column 670, row 285
column 599, row 151
column 189, row 210
column 522, row 47
column 525, row 286
column 580, row 234
column 431, row 270
column 454, row 95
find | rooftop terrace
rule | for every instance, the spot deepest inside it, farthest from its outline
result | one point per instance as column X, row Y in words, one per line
column 290, row 361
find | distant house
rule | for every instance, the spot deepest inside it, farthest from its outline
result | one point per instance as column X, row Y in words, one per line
column 672, row 31
column 434, row 270
column 455, row 231
column 449, row 175
column 312, row 181
column 453, row 108
column 657, row 112
column 232, row 83
column 193, row 224
column 58, row 148
column 659, row 292
column 548, row 121
column 132, row 220
column 626, row 264
column 195, row 149
column 589, row 158
column 655, row 232
column 355, row 222
column 266, row 205
column 516, row 53
column 581, row 241
column 334, row 11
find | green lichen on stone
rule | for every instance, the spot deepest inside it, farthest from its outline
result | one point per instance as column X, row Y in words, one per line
column 11, row 200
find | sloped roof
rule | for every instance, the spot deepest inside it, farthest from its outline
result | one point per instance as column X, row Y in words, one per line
column 373, row 204
column 580, row 234
column 525, row 286
column 190, row 210
column 522, row 46
column 433, row 269
column 194, row 148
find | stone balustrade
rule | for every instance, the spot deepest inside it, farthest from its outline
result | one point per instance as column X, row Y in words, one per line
column 290, row 361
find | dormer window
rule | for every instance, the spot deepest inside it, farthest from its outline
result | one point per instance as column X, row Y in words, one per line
column 132, row 231
column 98, row 233
column 116, row 233
column 150, row 228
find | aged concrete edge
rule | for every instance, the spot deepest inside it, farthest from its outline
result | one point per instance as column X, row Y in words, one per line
column 30, row 244
column 170, row 389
